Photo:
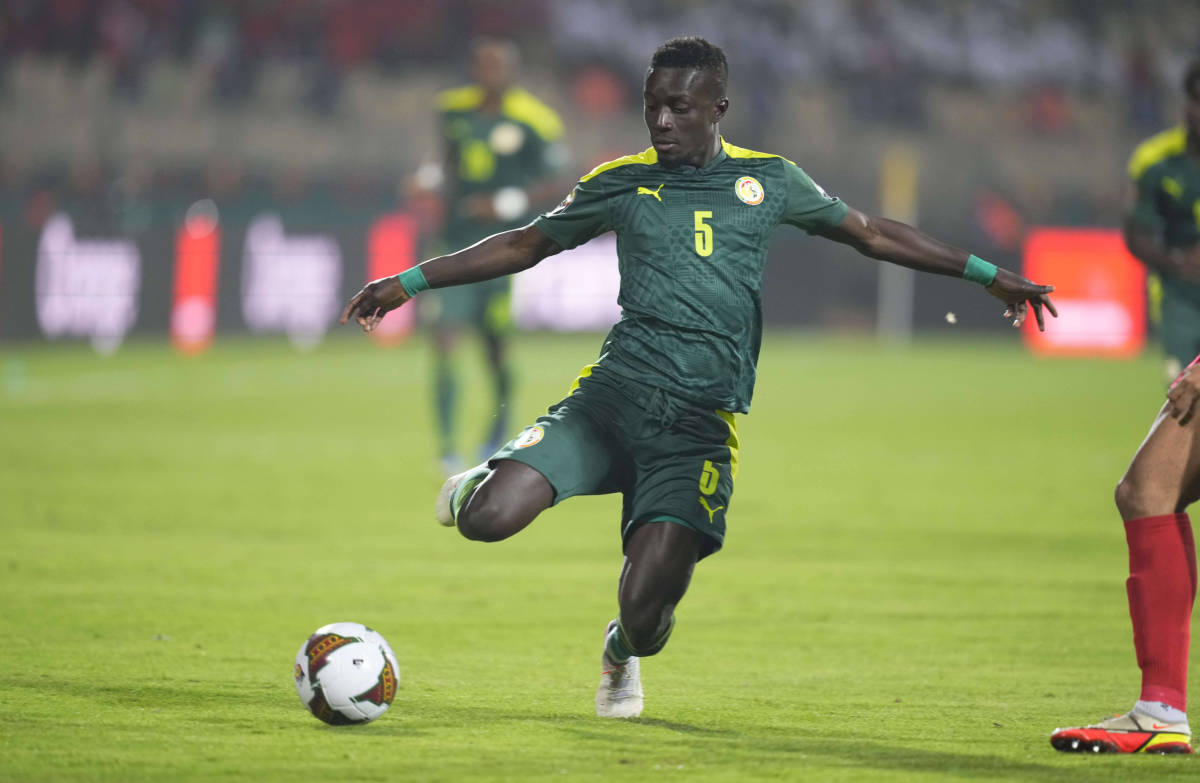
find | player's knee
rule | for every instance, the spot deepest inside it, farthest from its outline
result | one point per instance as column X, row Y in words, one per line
column 1137, row 498
column 486, row 518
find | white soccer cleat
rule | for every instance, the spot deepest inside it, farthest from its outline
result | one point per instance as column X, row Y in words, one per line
column 620, row 691
column 454, row 490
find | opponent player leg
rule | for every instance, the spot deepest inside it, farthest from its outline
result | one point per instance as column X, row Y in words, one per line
column 1162, row 480
column 659, row 560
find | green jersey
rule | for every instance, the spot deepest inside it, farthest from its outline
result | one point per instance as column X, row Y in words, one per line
column 512, row 147
column 691, row 248
column 1167, row 179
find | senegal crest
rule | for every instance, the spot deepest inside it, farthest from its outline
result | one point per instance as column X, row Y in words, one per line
column 566, row 202
column 749, row 190
column 530, row 437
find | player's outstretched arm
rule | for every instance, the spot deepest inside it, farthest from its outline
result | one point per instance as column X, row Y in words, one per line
column 890, row 240
column 498, row 255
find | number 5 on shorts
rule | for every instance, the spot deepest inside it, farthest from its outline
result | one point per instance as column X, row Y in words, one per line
column 709, row 478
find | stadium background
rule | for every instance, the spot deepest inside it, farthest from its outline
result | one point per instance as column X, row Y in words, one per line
column 124, row 114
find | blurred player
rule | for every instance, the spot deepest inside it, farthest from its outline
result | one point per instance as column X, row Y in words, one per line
column 652, row 418
column 1162, row 227
column 1153, row 496
column 500, row 149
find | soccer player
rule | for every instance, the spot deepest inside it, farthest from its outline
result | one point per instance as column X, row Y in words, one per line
column 500, row 153
column 1162, row 227
column 1161, row 482
column 653, row 416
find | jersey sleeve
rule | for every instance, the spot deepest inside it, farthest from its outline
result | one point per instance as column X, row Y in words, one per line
column 583, row 214
column 1147, row 185
column 808, row 205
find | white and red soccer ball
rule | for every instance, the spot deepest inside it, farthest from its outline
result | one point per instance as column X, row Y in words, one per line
column 346, row 673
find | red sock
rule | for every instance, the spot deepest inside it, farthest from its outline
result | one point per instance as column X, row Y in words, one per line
column 1161, row 589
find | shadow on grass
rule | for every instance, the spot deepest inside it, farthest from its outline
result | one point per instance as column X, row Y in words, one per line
column 650, row 740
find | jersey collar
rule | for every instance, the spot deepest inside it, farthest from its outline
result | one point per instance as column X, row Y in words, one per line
column 720, row 157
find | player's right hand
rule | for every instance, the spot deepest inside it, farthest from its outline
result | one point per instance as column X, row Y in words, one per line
column 1021, row 295
column 376, row 299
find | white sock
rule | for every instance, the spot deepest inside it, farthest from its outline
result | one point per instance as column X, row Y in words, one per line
column 1159, row 711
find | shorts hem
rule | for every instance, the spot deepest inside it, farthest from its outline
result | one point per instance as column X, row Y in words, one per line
column 713, row 540
column 507, row 454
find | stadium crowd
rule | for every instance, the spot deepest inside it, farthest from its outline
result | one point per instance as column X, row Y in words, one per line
column 889, row 49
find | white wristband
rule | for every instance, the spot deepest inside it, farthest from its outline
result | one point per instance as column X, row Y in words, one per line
column 510, row 203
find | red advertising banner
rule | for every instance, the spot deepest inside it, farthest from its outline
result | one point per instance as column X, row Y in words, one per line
column 194, row 304
column 1099, row 293
column 392, row 248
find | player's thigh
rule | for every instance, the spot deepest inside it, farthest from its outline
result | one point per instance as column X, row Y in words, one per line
column 569, row 447
column 659, row 559
column 685, row 475
column 1164, row 475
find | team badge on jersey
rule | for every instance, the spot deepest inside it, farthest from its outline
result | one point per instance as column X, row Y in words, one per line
column 566, row 202
column 530, row 437
column 749, row 190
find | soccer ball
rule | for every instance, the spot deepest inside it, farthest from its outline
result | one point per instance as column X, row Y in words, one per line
column 346, row 673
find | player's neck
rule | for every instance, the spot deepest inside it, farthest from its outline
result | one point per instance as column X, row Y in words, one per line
column 492, row 100
column 702, row 159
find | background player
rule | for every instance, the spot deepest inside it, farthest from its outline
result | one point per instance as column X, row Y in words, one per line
column 1162, row 481
column 653, row 417
column 1162, row 227
column 500, row 151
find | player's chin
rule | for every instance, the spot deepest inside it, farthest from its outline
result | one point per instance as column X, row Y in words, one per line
column 668, row 153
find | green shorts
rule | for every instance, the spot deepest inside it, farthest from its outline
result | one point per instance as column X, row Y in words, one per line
column 671, row 461
column 485, row 305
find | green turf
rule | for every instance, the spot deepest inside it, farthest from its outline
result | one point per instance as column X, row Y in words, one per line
column 923, row 576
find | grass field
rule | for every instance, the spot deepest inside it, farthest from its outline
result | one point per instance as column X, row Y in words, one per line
column 924, row 573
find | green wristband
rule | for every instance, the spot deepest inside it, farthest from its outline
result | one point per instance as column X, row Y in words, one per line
column 413, row 280
column 979, row 271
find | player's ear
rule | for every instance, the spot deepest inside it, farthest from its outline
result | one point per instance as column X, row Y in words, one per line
column 719, row 109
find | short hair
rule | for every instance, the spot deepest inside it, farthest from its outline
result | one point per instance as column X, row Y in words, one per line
column 1191, row 79
column 692, row 51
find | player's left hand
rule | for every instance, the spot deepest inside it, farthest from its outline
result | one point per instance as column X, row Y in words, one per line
column 1021, row 294
column 1183, row 394
column 376, row 299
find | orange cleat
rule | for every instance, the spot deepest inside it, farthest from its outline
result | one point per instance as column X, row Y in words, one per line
column 1132, row 732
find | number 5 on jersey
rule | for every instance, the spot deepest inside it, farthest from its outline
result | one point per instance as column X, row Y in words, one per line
column 704, row 233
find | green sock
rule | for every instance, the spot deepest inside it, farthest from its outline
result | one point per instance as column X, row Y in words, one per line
column 467, row 486
column 616, row 646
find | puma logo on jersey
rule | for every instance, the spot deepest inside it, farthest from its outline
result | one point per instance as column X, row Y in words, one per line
column 648, row 192
column 710, row 510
